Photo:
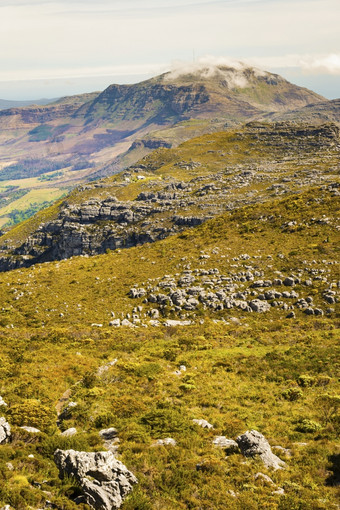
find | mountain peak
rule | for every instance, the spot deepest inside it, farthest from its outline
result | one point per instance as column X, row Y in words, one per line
column 232, row 73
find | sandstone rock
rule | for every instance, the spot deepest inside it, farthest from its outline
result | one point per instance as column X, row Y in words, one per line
column 289, row 281
column 168, row 441
column 108, row 434
column 172, row 323
column 263, row 478
column 115, row 323
column 127, row 323
column 5, row 431
column 69, row 432
column 31, row 430
column 203, row 423
column 104, row 480
column 280, row 491
column 229, row 445
column 154, row 323
column 253, row 444
column 257, row 305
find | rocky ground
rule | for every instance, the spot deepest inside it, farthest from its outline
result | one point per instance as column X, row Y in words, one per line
column 294, row 158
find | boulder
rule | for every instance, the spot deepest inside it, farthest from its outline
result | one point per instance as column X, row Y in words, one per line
column 104, row 480
column 115, row 322
column 229, row 445
column 108, row 434
column 5, row 431
column 263, row 478
column 171, row 323
column 203, row 423
column 31, row 430
column 165, row 442
column 257, row 305
column 289, row 281
column 253, row 444
column 69, row 432
column 2, row 402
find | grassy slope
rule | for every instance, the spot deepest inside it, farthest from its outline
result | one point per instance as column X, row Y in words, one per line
column 237, row 372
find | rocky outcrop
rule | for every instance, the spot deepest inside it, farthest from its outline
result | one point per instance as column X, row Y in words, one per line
column 166, row 207
column 5, row 431
column 40, row 114
column 254, row 444
column 151, row 143
column 104, row 480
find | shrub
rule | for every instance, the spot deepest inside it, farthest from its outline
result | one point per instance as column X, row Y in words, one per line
column 89, row 380
column 51, row 443
column 323, row 380
column 309, row 426
column 292, row 394
column 104, row 419
column 32, row 413
column 162, row 422
column 305, row 380
column 329, row 406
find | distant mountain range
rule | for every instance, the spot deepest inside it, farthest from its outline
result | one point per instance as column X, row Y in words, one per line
column 5, row 104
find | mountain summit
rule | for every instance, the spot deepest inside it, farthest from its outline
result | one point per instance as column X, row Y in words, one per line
column 198, row 91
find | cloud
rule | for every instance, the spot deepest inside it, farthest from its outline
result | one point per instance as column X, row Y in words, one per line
column 231, row 70
column 83, row 72
column 329, row 64
column 313, row 64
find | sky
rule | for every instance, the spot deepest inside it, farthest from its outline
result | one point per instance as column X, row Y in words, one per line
column 53, row 48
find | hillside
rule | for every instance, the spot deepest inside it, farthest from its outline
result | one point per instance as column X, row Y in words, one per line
column 173, row 189
column 313, row 113
column 259, row 286
column 94, row 135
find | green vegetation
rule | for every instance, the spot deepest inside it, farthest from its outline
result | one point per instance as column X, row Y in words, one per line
column 250, row 371
column 50, row 177
column 11, row 194
column 30, row 168
column 17, row 216
column 40, row 133
column 243, row 370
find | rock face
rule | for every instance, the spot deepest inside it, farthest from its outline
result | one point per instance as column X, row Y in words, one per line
column 104, row 480
column 252, row 444
column 5, row 431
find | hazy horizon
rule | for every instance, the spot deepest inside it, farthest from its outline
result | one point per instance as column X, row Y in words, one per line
column 64, row 47
column 30, row 90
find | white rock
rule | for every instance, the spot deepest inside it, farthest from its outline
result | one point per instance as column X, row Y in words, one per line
column 69, row 432
column 115, row 323
column 5, row 431
column 171, row 323
column 203, row 423
column 164, row 442
column 31, row 430
column 228, row 444
column 104, row 480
